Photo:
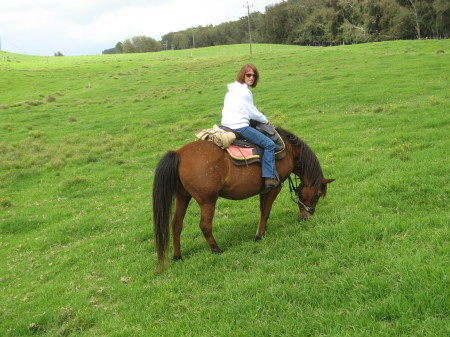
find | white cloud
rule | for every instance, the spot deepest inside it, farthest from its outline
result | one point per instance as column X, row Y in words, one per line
column 31, row 20
column 117, row 25
column 156, row 20
column 87, row 26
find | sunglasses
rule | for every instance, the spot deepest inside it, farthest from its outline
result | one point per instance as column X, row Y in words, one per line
column 250, row 75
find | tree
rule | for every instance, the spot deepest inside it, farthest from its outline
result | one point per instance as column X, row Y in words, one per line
column 167, row 41
column 181, row 40
column 442, row 23
column 228, row 33
column 119, row 48
column 204, row 36
column 413, row 4
column 128, row 46
column 278, row 22
column 109, row 51
column 423, row 13
column 313, row 30
column 141, row 44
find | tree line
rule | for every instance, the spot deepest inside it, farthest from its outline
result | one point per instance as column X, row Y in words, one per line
column 312, row 22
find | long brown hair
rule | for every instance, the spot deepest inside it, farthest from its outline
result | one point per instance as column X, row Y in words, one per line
column 241, row 75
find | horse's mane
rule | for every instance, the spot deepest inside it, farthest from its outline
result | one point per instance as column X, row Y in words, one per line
column 308, row 162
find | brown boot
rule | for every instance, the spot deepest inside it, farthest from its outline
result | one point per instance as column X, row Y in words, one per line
column 270, row 184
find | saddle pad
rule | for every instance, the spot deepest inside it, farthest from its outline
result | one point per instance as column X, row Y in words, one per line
column 241, row 153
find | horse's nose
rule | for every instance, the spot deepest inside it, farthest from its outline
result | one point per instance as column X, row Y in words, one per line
column 303, row 216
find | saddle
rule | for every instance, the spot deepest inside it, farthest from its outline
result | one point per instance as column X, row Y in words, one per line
column 242, row 152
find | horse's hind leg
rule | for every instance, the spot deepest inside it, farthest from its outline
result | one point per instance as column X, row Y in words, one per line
column 207, row 214
column 182, row 203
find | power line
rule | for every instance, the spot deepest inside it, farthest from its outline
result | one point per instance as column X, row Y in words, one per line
column 249, row 30
column 7, row 42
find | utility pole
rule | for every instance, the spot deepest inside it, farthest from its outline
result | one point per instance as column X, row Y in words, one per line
column 193, row 37
column 249, row 30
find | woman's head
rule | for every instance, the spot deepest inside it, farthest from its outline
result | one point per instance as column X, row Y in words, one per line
column 249, row 75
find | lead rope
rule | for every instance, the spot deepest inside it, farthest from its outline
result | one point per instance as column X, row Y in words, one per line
column 293, row 189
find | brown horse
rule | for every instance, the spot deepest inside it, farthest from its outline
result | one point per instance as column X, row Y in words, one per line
column 203, row 171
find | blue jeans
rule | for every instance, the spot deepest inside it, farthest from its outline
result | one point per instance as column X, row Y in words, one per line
column 268, row 158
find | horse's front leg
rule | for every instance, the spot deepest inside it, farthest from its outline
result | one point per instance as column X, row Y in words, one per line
column 265, row 205
column 207, row 214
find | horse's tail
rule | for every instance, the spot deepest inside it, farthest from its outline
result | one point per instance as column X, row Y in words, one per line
column 165, row 184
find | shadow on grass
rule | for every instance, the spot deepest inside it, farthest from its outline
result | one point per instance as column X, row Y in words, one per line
column 238, row 232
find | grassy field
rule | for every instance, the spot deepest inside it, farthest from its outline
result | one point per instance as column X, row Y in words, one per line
column 80, row 138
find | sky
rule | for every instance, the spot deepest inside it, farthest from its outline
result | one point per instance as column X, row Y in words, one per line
column 87, row 27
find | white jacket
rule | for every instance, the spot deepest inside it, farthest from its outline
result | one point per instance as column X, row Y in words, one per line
column 238, row 107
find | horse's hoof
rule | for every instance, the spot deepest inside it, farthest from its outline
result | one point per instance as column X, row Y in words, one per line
column 258, row 237
column 216, row 251
column 177, row 258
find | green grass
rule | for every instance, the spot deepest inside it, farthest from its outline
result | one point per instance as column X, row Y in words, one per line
column 80, row 138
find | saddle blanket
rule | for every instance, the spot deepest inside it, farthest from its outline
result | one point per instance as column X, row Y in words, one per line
column 240, row 152
column 249, row 154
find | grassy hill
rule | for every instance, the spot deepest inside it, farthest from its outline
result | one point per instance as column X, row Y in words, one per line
column 80, row 138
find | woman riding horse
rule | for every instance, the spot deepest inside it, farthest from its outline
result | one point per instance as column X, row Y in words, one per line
column 237, row 112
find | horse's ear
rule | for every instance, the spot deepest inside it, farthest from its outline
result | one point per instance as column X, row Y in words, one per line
column 327, row 181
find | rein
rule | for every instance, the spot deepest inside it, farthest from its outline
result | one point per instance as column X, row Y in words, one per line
column 293, row 188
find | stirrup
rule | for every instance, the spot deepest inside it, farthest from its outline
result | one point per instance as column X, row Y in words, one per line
column 269, row 187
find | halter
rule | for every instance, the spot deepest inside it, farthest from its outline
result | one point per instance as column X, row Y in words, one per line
column 293, row 187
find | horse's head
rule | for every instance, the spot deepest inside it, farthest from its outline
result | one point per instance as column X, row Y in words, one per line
column 306, row 168
column 308, row 197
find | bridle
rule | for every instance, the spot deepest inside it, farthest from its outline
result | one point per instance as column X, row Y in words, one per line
column 294, row 186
